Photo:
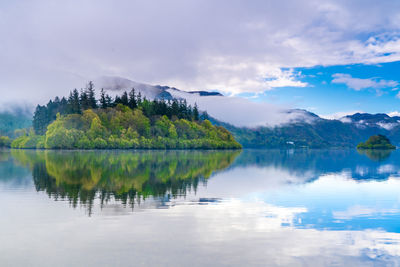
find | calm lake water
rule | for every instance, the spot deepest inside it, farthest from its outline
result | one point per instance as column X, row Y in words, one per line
column 200, row 208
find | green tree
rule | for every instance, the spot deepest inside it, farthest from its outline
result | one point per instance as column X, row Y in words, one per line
column 103, row 99
column 91, row 95
column 141, row 122
column 5, row 141
column 125, row 99
column 196, row 116
column 40, row 120
column 132, row 99
column 74, row 105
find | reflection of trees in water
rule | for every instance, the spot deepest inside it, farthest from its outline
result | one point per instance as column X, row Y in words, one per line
column 375, row 154
column 127, row 177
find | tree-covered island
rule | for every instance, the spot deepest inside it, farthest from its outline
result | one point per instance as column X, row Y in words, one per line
column 376, row 142
column 124, row 122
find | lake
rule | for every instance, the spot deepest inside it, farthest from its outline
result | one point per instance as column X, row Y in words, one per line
column 200, row 208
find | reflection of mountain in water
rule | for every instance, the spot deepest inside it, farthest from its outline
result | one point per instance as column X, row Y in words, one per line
column 311, row 164
column 128, row 177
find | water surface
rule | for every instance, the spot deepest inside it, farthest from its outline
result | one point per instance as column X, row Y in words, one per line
column 200, row 208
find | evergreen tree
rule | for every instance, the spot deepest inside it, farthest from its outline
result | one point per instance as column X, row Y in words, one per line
column 63, row 106
column 40, row 120
column 117, row 100
column 74, row 106
column 183, row 110
column 109, row 101
column 174, row 108
column 132, row 99
column 139, row 99
column 84, row 100
column 91, row 96
column 125, row 99
column 204, row 116
column 103, row 100
column 196, row 115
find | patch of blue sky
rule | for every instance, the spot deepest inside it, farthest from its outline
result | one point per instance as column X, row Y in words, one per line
column 325, row 97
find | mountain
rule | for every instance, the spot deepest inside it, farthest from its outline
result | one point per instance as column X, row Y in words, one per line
column 380, row 120
column 317, row 132
column 118, row 84
column 13, row 120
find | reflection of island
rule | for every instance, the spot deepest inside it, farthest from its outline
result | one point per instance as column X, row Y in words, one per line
column 128, row 177
column 375, row 154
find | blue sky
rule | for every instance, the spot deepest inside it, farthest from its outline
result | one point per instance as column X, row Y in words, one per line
column 377, row 89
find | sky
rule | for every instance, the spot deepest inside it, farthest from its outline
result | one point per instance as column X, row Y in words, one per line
column 329, row 57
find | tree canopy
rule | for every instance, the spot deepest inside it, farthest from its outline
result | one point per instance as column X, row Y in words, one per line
column 376, row 142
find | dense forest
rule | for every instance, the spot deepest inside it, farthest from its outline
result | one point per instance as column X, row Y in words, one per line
column 127, row 121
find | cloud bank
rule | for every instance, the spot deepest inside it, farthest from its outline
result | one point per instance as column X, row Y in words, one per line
column 243, row 112
column 234, row 46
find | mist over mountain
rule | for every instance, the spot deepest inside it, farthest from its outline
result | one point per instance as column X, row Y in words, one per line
column 319, row 133
column 365, row 120
column 254, row 124
column 238, row 111
column 266, row 125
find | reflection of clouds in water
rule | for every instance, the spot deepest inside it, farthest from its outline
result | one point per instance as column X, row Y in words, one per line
column 239, row 181
column 243, row 215
column 361, row 211
column 362, row 170
column 387, row 168
column 271, row 229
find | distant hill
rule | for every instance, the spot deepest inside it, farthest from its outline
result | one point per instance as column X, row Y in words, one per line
column 364, row 120
column 318, row 133
column 13, row 120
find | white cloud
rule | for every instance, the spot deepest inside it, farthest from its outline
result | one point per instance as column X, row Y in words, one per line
column 359, row 84
column 340, row 115
column 394, row 114
column 49, row 49
column 387, row 126
column 244, row 112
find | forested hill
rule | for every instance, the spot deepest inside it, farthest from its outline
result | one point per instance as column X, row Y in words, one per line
column 320, row 133
column 14, row 120
column 126, row 121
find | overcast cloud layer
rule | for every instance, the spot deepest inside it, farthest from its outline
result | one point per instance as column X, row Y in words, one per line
column 49, row 47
